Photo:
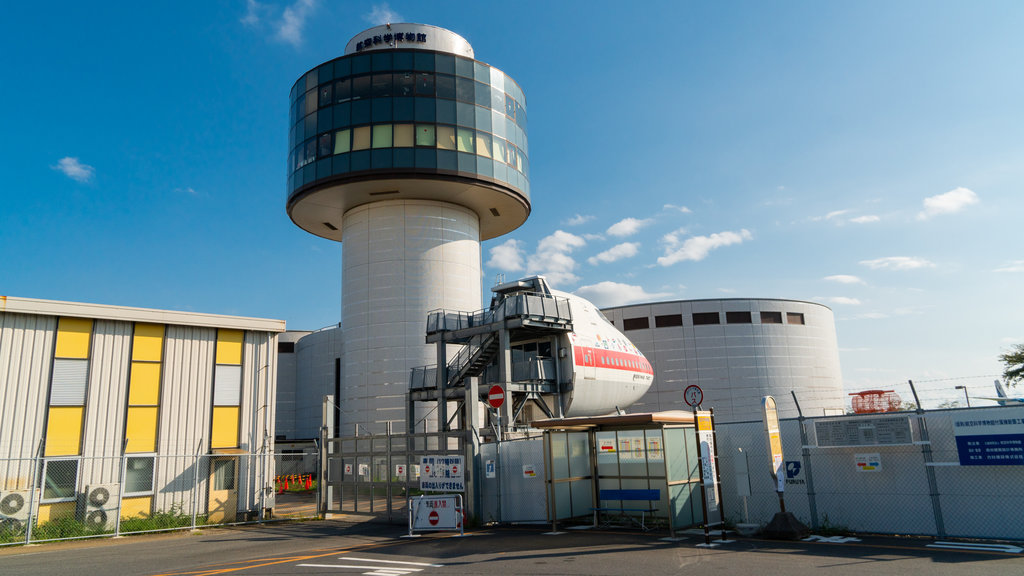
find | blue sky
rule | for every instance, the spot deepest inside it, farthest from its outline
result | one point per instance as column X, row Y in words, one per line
column 864, row 155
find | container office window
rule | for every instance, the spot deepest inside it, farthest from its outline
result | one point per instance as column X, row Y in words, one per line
column 138, row 475
column 738, row 318
column 794, row 318
column 286, row 347
column 60, row 479
column 704, row 318
column 668, row 320
column 144, row 388
column 771, row 317
column 635, row 323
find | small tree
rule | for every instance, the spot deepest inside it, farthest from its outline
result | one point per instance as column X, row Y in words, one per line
column 1014, row 360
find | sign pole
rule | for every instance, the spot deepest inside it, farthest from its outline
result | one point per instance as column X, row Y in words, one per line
column 700, row 472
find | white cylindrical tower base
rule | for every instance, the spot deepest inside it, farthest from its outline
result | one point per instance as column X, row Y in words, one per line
column 400, row 260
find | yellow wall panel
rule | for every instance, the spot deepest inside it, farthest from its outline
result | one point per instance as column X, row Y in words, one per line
column 73, row 337
column 225, row 427
column 229, row 346
column 56, row 511
column 144, row 389
column 137, row 507
column 141, row 429
column 148, row 342
column 64, row 430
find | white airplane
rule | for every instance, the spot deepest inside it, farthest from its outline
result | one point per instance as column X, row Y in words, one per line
column 608, row 371
column 1002, row 398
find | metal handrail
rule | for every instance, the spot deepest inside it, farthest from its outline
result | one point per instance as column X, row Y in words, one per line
column 514, row 305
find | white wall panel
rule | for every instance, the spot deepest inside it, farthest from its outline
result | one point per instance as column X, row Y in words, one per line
column 26, row 351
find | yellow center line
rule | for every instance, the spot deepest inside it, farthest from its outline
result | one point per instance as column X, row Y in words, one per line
column 272, row 561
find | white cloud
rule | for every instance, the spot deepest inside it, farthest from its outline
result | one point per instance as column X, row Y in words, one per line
column 253, row 12
column 682, row 209
column 187, row 190
column 74, row 169
column 839, row 300
column 627, row 226
column 698, row 247
column 578, row 219
column 293, row 20
column 553, row 260
column 844, row 279
column 835, row 214
column 382, row 14
column 1014, row 266
column 605, row 294
column 865, row 219
column 897, row 263
column 507, row 256
column 953, row 201
column 617, row 252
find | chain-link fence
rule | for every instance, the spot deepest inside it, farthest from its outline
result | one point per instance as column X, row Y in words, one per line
column 955, row 472
column 57, row 498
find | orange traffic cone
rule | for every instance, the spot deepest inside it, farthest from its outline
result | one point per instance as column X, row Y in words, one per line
column 309, row 482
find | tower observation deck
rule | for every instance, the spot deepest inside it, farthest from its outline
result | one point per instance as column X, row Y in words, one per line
column 409, row 151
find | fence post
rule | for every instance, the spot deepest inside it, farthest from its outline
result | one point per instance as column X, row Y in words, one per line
column 926, row 453
column 195, row 484
column 805, row 454
column 36, row 469
column 120, row 487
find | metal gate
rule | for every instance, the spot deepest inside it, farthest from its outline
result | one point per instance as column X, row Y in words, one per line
column 376, row 475
column 512, row 477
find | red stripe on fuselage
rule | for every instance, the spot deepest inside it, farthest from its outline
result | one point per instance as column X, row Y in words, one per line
column 601, row 358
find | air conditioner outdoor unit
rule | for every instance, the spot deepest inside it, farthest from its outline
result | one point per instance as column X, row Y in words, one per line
column 14, row 508
column 99, row 506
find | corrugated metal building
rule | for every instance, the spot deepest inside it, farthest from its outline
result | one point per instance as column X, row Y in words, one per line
column 133, row 400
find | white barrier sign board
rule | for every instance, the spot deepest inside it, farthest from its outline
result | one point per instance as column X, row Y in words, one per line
column 436, row 513
column 442, row 474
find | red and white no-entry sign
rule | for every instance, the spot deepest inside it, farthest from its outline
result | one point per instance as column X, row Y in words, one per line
column 496, row 396
column 434, row 518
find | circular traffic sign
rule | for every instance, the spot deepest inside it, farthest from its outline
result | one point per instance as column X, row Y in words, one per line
column 496, row 396
column 693, row 395
column 434, row 518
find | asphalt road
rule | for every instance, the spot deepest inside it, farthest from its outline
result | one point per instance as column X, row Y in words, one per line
column 346, row 547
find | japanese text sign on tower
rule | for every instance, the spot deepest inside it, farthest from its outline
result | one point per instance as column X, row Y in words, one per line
column 442, row 473
column 771, row 426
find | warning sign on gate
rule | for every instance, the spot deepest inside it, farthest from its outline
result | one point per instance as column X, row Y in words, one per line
column 442, row 474
column 436, row 513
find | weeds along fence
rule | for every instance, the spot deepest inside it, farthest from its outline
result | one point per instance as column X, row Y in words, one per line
column 57, row 498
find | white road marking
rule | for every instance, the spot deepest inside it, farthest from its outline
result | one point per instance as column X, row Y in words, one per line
column 391, row 562
column 383, row 567
column 979, row 546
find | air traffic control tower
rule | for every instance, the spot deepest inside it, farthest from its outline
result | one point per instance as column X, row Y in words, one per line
column 409, row 152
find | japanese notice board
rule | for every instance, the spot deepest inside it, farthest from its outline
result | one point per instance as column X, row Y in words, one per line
column 442, row 474
column 990, row 440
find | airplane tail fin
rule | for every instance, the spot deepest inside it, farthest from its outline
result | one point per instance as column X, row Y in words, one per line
column 1000, row 391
